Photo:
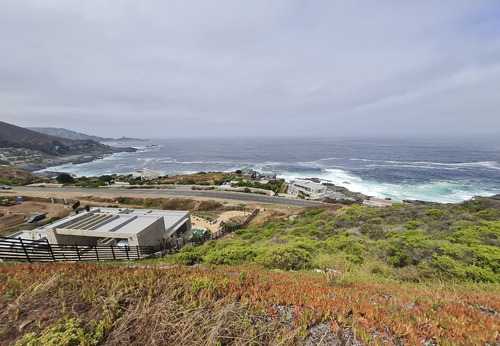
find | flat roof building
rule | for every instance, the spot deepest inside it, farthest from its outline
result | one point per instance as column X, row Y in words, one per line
column 311, row 189
column 108, row 226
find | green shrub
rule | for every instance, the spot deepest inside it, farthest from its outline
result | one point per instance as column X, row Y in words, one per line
column 378, row 268
column 314, row 212
column 397, row 256
column 122, row 200
column 488, row 214
column 391, row 234
column 467, row 236
column 188, row 248
column 231, row 255
column 448, row 268
column 105, row 178
column 475, row 206
column 374, row 220
column 302, row 230
column 487, row 257
column 479, row 274
column 414, row 239
column 356, row 259
column 412, row 225
column 285, row 257
column 309, row 245
column 435, row 214
column 188, row 258
column 65, row 178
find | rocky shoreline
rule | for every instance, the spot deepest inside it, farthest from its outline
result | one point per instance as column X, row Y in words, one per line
column 74, row 159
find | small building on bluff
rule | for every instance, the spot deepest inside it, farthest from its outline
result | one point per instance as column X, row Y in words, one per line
column 307, row 188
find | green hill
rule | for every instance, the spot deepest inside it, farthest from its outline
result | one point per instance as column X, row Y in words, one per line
column 64, row 133
column 68, row 134
column 19, row 137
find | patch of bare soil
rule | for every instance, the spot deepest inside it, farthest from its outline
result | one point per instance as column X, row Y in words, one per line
column 17, row 214
column 213, row 226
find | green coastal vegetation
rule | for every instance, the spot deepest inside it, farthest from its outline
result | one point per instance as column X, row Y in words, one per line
column 411, row 243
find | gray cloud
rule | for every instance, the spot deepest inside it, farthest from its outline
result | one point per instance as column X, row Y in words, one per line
column 221, row 68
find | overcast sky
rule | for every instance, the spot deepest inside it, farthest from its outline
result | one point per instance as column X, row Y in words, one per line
column 160, row 69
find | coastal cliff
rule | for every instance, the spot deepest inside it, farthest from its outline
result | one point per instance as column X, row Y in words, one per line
column 31, row 150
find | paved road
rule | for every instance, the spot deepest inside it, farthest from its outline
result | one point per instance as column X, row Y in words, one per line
column 179, row 191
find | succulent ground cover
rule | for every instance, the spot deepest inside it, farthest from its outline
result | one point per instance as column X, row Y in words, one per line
column 85, row 303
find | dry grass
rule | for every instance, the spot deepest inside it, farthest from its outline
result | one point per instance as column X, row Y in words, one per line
column 114, row 305
column 165, row 322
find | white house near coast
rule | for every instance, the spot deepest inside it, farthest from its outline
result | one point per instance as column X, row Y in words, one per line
column 308, row 188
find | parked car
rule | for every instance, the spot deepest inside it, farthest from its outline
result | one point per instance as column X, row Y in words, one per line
column 6, row 187
column 123, row 245
column 35, row 218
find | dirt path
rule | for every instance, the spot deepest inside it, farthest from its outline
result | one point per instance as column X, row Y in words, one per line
column 198, row 222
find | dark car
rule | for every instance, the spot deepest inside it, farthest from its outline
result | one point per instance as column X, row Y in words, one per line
column 6, row 187
column 35, row 218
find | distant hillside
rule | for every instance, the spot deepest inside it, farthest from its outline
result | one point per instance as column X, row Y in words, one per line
column 68, row 134
column 14, row 176
column 19, row 137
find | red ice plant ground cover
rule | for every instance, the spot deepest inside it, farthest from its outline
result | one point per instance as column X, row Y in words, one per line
column 90, row 303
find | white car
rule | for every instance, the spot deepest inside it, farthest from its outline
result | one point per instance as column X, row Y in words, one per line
column 6, row 187
column 123, row 245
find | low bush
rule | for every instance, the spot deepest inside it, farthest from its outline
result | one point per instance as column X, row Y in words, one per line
column 285, row 257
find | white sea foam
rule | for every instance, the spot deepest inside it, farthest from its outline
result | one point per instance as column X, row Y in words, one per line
column 441, row 191
column 329, row 159
column 443, row 165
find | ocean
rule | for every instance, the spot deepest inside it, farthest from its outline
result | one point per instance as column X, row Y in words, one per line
column 427, row 169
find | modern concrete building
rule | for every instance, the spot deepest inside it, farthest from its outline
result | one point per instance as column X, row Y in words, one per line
column 308, row 188
column 108, row 226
